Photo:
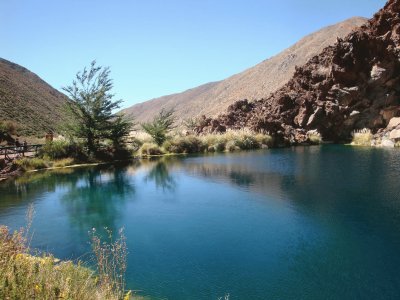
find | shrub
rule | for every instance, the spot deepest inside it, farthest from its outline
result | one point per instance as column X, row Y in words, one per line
column 187, row 144
column 55, row 149
column 149, row 149
column 160, row 126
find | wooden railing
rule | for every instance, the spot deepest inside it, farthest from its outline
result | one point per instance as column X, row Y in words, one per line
column 13, row 152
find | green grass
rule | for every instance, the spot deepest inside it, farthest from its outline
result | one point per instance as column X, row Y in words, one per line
column 35, row 163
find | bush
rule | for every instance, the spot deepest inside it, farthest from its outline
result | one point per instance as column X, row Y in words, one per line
column 55, row 149
column 187, row 144
column 149, row 149
column 160, row 126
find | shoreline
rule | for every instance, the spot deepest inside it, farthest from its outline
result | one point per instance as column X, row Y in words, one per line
column 20, row 172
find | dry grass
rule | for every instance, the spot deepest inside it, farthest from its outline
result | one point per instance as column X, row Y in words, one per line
column 362, row 137
column 36, row 163
column 111, row 262
column 314, row 137
column 150, row 149
column 142, row 136
column 24, row 276
column 236, row 140
column 229, row 141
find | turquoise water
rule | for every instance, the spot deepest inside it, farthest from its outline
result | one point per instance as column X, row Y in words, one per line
column 298, row 223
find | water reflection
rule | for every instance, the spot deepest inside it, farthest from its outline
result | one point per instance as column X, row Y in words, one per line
column 160, row 174
column 322, row 220
column 97, row 199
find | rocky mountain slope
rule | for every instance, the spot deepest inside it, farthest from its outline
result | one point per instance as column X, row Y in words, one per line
column 352, row 85
column 27, row 100
column 254, row 83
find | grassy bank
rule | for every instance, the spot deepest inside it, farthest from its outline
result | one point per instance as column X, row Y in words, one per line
column 59, row 154
column 41, row 276
column 234, row 140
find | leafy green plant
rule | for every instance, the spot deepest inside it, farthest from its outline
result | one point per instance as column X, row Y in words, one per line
column 55, row 149
column 92, row 108
column 160, row 126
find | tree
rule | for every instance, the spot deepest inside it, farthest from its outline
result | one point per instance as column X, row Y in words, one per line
column 160, row 126
column 91, row 105
column 120, row 130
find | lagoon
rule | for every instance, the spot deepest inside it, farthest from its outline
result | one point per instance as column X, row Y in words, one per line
column 317, row 222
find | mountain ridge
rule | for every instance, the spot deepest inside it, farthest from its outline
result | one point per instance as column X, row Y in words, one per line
column 29, row 101
column 258, row 81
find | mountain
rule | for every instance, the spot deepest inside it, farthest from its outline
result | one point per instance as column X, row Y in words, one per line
column 254, row 83
column 27, row 100
column 351, row 85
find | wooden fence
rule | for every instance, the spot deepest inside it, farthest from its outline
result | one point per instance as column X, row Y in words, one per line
column 13, row 152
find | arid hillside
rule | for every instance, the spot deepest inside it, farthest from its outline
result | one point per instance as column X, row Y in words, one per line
column 27, row 100
column 257, row 82
column 352, row 85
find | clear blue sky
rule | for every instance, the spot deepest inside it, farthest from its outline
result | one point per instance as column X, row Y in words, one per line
column 159, row 47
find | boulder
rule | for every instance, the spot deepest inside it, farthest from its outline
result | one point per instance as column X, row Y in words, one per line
column 377, row 72
column 393, row 123
column 387, row 143
column 395, row 134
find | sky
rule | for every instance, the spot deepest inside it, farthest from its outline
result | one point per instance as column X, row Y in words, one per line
column 159, row 47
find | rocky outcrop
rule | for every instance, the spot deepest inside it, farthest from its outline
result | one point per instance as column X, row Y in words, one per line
column 352, row 85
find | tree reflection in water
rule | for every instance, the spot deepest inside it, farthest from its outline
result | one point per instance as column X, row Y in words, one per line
column 161, row 177
column 97, row 199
